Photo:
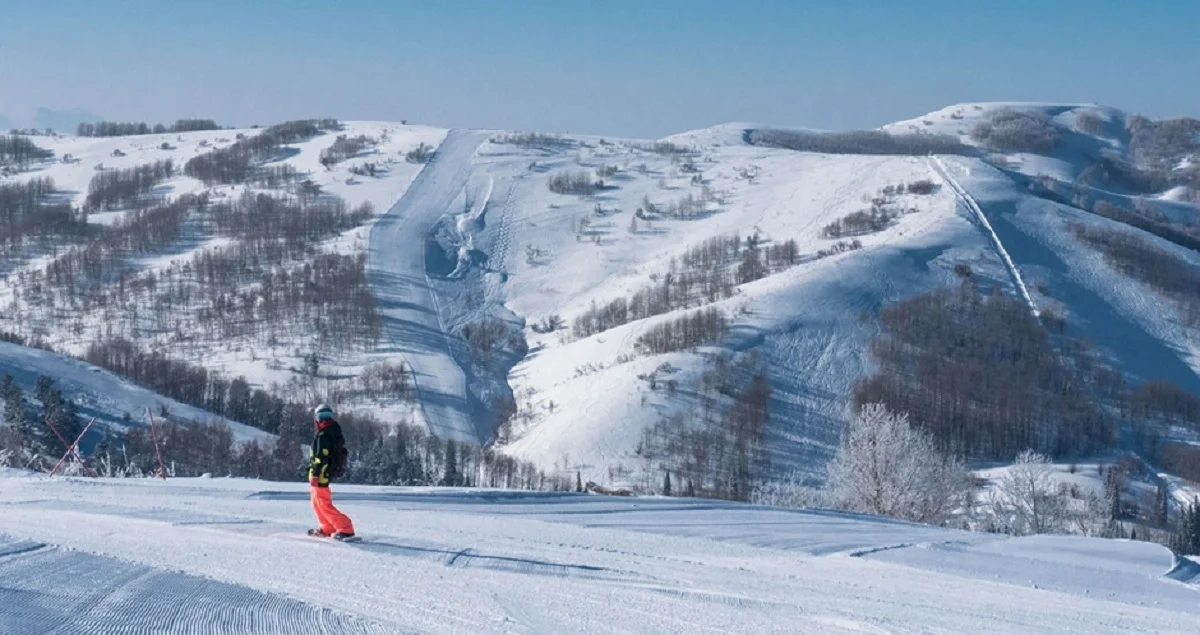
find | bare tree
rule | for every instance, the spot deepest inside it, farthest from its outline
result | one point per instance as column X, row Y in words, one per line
column 1026, row 500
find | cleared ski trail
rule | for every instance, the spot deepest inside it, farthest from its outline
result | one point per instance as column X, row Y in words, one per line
column 940, row 167
column 209, row 555
column 51, row 590
column 397, row 261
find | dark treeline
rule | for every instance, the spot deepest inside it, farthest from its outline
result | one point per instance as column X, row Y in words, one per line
column 237, row 163
column 379, row 454
column 19, row 151
column 345, row 148
column 1136, row 257
column 112, row 189
column 858, row 142
column 702, row 328
column 1011, row 130
column 129, row 128
column 26, row 211
column 982, row 376
column 717, row 448
column 705, row 273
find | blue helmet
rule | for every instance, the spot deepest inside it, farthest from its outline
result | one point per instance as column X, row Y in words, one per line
column 323, row 412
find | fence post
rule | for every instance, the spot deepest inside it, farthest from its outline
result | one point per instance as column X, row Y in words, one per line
column 162, row 471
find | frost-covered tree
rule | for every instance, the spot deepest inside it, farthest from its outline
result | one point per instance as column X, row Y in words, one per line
column 1026, row 500
column 887, row 467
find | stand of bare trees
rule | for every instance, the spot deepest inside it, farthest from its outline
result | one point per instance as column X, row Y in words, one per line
column 702, row 328
column 1170, row 275
column 112, row 189
column 239, row 162
column 704, row 274
column 345, row 148
column 981, row 375
column 26, row 211
column 718, row 448
column 19, row 151
column 380, row 454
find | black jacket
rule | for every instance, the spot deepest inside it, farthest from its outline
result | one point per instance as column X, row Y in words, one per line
column 326, row 445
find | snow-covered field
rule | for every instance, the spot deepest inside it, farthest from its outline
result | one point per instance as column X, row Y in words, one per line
column 103, row 555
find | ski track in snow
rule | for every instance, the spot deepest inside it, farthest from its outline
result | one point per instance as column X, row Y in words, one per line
column 53, row 590
column 940, row 167
column 230, row 556
column 397, row 272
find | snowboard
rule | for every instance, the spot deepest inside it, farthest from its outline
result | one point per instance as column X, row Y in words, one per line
column 354, row 538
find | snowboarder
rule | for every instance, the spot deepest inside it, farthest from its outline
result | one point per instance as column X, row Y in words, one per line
column 327, row 463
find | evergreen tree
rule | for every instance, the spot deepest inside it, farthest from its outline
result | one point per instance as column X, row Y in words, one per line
column 578, row 482
column 450, row 476
column 667, row 484
column 15, row 413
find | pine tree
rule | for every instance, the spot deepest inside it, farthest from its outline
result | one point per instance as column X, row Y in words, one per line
column 578, row 483
column 450, row 478
column 667, row 484
column 15, row 414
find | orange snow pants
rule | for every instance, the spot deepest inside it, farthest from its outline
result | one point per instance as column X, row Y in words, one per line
column 330, row 517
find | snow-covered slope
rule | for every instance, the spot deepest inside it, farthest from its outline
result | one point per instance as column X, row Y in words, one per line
column 99, row 393
column 468, row 258
column 442, row 561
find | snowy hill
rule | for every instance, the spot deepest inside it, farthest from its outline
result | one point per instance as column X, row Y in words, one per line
column 172, row 556
column 528, row 284
column 100, row 394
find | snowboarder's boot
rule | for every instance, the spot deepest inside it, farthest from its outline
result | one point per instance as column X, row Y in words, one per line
column 344, row 537
column 317, row 533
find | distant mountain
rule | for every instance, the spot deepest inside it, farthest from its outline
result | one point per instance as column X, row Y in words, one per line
column 61, row 120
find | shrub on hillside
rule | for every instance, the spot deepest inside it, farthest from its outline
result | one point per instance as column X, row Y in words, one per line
column 578, row 183
column 1091, row 123
column 1162, row 143
column 861, row 223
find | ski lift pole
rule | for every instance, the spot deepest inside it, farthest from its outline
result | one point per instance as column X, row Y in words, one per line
column 162, row 471
column 71, row 448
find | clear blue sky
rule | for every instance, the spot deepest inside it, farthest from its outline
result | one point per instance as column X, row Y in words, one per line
column 620, row 67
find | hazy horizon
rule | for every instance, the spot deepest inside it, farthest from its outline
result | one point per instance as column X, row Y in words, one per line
column 622, row 68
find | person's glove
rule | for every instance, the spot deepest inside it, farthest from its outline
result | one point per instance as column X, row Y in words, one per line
column 314, row 481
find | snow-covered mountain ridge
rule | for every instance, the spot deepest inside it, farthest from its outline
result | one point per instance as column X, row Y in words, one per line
column 496, row 267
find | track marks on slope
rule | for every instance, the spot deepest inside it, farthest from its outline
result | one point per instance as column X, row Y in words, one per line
column 49, row 590
column 940, row 168
column 472, row 558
